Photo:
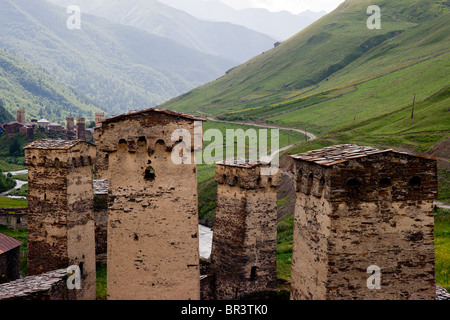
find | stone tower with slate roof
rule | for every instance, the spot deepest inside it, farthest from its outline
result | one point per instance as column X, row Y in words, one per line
column 364, row 226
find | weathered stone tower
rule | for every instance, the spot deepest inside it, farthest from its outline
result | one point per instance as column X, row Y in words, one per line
column 243, row 256
column 81, row 129
column 60, row 219
column 70, row 124
column 153, row 245
column 21, row 116
column 361, row 210
column 99, row 117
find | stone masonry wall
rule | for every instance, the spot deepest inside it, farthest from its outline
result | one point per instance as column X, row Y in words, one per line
column 243, row 258
column 153, row 211
column 372, row 211
column 61, row 229
column 14, row 217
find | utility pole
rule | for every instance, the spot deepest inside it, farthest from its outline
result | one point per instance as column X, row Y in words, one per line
column 412, row 113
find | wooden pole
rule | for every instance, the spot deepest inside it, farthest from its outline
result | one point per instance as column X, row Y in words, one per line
column 412, row 112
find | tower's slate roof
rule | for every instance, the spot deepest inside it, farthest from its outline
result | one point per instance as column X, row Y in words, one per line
column 336, row 154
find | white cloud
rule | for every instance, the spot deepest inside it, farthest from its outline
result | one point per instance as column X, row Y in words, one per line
column 294, row 6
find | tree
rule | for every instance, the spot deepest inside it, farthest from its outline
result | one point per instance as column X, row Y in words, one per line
column 14, row 148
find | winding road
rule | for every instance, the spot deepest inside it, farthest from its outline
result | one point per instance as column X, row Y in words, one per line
column 19, row 184
column 311, row 136
column 267, row 126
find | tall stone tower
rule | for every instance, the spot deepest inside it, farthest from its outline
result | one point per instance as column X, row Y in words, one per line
column 153, row 245
column 70, row 125
column 60, row 201
column 243, row 256
column 81, row 129
column 21, row 115
column 99, row 117
column 364, row 226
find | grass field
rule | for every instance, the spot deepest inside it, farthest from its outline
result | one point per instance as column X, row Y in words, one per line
column 6, row 167
column 13, row 203
column 442, row 247
column 207, row 187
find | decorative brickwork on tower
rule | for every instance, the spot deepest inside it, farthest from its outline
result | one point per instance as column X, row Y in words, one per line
column 60, row 219
column 153, row 245
column 243, row 257
column 359, row 207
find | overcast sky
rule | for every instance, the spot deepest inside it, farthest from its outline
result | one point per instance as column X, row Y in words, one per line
column 294, row 6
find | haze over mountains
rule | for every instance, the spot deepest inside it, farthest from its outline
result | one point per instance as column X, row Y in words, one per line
column 119, row 67
column 280, row 25
column 232, row 42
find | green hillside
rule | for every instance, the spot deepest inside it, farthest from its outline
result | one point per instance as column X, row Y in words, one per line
column 23, row 86
column 5, row 116
column 119, row 67
column 338, row 68
column 347, row 84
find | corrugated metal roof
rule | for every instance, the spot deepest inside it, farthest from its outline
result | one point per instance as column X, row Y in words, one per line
column 164, row 111
column 7, row 243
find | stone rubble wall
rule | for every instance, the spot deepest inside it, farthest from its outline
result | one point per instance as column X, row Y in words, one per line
column 48, row 286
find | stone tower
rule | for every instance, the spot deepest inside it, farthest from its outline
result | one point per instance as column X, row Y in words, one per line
column 60, row 219
column 153, row 245
column 21, row 116
column 243, row 256
column 99, row 117
column 364, row 226
column 70, row 124
column 81, row 129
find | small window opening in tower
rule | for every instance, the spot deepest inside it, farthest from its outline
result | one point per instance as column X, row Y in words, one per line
column 253, row 273
column 415, row 182
column 149, row 174
column 385, row 182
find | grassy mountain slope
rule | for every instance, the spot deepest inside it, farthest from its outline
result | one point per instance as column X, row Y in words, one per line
column 5, row 116
column 23, row 86
column 216, row 38
column 119, row 67
column 337, row 67
column 347, row 84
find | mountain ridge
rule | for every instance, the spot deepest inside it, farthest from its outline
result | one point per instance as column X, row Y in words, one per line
column 214, row 38
column 337, row 63
column 23, row 86
column 280, row 25
column 119, row 67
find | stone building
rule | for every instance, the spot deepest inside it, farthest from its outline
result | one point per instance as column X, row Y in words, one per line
column 60, row 202
column 243, row 256
column 70, row 125
column 81, row 129
column 153, row 245
column 20, row 117
column 364, row 226
column 99, row 117
column 9, row 258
